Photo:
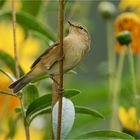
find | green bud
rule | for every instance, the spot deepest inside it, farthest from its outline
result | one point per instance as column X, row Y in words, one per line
column 107, row 10
column 124, row 37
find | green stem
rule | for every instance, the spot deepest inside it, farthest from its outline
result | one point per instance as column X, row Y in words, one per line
column 138, row 73
column 27, row 132
column 132, row 70
column 117, row 87
column 111, row 54
column 7, row 93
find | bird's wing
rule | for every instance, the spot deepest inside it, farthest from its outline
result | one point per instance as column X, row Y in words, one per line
column 48, row 56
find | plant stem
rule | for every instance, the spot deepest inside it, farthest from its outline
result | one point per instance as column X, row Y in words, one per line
column 138, row 73
column 116, row 90
column 61, row 36
column 27, row 133
column 132, row 70
column 14, row 38
column 54, row 100
column 111, row 54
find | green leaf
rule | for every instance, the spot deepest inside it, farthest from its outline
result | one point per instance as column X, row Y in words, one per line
column 30, row 93
column 44, row 102
column 18, row 110
column 2, row 3
column 31, row 7
column 106, row 134
column 9, row 62
column 8, row 75
column 40, row 78
column 7, row 93
column 86, row 110
column 71, row 72
column 78, row 109
column 12, row 126
column 29, row 22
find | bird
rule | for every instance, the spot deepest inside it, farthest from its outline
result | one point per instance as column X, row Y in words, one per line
column 75, row 45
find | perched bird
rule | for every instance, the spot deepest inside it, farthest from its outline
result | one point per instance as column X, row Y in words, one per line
column 75, row 45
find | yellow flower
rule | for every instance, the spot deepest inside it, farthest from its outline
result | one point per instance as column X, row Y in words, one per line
column 35, row 133
column 131, row 22
column 27, row 48
column 129, row 119
column 130, row 4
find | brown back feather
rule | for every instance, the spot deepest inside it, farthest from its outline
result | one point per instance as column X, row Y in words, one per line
column 44, row 53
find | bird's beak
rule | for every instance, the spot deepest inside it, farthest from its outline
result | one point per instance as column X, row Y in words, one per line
column 70, row 23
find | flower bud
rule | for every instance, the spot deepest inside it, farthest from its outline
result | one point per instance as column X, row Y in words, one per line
column 124, row 37
column 107, row 10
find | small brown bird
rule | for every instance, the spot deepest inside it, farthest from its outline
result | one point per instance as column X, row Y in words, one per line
column 76, row 45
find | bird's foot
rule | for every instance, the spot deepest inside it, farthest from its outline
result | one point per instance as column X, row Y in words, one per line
column 61, row 58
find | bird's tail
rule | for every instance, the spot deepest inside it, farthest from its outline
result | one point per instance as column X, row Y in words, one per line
column 20, row 83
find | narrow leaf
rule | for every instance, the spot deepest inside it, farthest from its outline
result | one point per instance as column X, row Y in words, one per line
column 40, row 104
column 2, row 3
column 24, row 19
column 106, row 134
column 71, row 72
column 8, row 75
column 88, row 111
column 40, row 78
column 78, row 109
column 9, row 62
column 7, row 93
column 34, row 9
column 30, row 93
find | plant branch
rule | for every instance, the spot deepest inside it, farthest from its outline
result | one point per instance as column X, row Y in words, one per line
column 61, row 36
column 111, row 54
column 27, row 133
column 132, row 70
column 117, row 87
column 54, row 100
column 14, row 38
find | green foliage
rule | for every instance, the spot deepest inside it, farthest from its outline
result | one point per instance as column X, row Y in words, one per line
column 44, row 102
column 2, row 3
column 30, row 93
column 9, row 62
column 12, row 123
column 86, row 110
column 7, row 93
column 29, row 22
column 31, row 7
column 39, row 78
column 106, row 134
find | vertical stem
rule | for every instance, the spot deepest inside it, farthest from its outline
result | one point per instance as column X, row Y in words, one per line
column 114, row 119
column 60, row 96
column 111, row 54
column 14, row 38
column 138, row 73
column 132, row 70
column 27, row 133
column 54, row 100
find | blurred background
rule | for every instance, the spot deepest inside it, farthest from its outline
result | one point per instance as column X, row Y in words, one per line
column 104, row 19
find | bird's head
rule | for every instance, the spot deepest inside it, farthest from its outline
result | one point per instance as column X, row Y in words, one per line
column 77, row 29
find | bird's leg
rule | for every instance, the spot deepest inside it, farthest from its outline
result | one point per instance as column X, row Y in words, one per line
column 61, row 90
column 55, row 81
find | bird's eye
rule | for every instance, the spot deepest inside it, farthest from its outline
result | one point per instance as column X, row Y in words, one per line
column 81, row 27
